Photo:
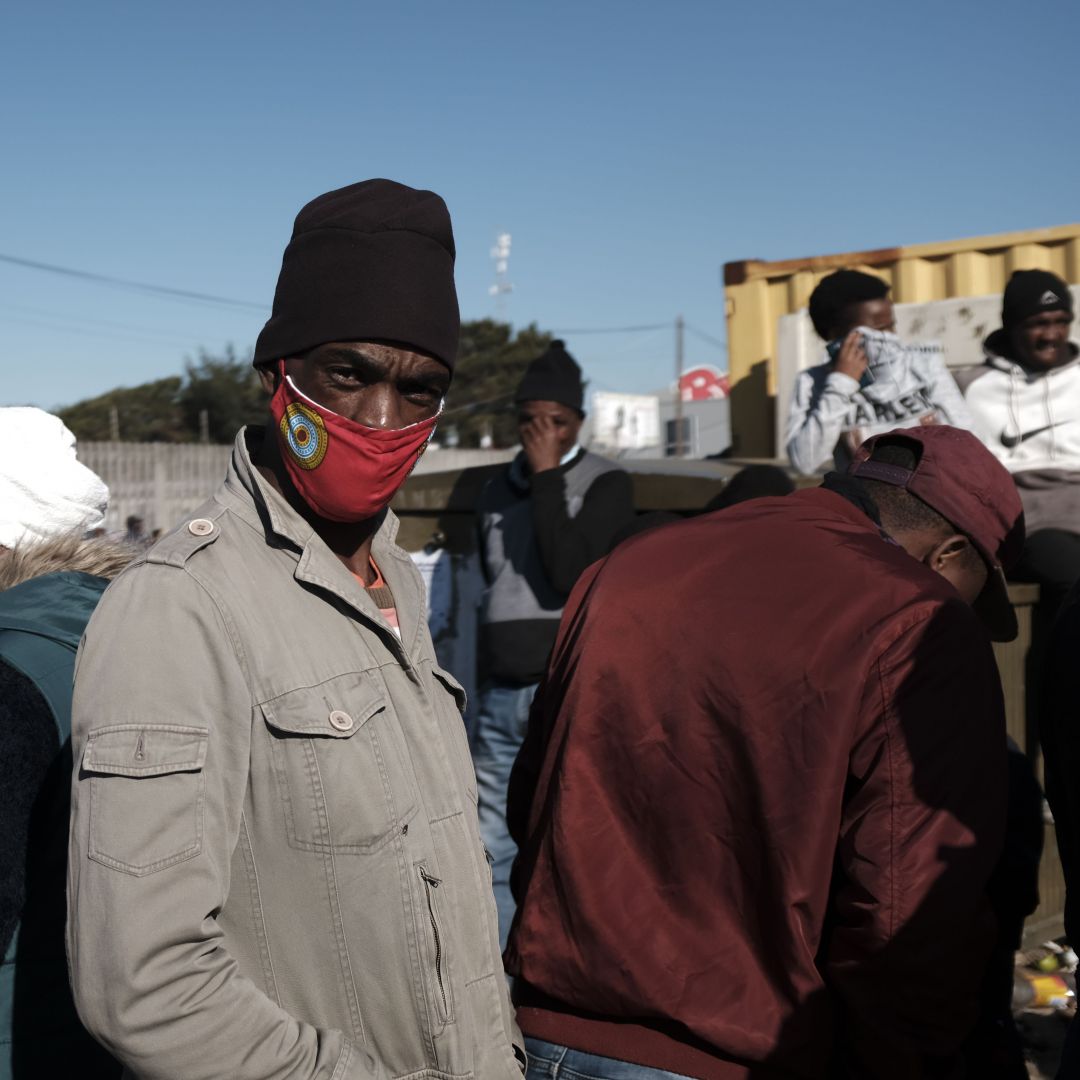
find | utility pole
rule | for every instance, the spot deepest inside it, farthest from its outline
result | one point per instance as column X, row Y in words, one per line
column 204, row 426
column 678, row 386
column 114, row 424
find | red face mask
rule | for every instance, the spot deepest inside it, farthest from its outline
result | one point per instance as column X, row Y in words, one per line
column 344, row 471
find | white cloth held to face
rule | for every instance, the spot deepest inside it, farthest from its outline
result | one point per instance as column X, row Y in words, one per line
column 832, row 414
column 44, row 489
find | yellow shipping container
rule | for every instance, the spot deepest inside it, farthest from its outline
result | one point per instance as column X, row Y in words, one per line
column 757, row 293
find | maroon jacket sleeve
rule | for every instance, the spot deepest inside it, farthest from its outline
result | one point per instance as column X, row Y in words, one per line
column 922, row 828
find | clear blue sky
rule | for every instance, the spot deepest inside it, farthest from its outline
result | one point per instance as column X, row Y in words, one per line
column 630, row 148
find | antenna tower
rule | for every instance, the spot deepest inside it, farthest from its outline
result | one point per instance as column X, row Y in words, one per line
column 500, row 255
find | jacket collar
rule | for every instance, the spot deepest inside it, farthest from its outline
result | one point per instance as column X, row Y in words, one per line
column 254, row 500
column 846, row 496
column 261, row 506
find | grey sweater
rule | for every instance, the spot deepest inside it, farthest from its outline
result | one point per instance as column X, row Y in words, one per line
column 538, row 533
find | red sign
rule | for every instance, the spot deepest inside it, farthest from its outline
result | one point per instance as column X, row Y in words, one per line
column 704, row 383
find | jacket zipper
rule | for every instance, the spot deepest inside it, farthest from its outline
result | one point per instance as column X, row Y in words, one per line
column 431, row 883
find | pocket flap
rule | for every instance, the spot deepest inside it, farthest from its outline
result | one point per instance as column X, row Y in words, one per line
column 145, row 749
column 337, row 708
column 453, row 686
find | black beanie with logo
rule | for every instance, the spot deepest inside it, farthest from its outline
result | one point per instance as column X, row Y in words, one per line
column 373, row 261
column 554, row 376
column 1031, row 292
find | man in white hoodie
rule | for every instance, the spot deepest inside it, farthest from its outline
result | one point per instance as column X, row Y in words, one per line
column 1025, row 402
column 872, row 382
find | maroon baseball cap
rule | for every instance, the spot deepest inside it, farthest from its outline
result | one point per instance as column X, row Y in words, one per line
column 959, row 478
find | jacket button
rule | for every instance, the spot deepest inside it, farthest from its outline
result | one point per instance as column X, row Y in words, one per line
column 200, row 527
column 341, row 720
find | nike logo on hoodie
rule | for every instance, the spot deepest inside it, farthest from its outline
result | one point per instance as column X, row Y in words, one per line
column 1011, row 441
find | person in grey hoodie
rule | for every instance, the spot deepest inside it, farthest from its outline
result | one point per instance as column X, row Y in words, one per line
column 1025, row 401
column 872, row 382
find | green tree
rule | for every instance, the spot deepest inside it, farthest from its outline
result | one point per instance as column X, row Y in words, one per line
column 491, row 362
column 227, row 389
column 146, row 413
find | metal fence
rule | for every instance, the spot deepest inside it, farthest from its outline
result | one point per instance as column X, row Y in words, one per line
column 159, row 482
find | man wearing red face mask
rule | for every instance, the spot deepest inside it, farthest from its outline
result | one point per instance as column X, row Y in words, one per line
column 275, row 864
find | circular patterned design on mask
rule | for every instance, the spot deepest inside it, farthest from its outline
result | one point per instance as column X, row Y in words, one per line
column 305, row 435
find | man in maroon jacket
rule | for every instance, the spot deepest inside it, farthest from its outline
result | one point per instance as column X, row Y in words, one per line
column 764, row 783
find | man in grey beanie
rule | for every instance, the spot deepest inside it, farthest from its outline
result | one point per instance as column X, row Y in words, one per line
column 276, row 869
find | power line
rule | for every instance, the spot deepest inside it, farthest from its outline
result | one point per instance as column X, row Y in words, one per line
column 706, row 337
column 209, row 298
column 135, row 286
column 635, row 345
column 616, row 329
column 94, row 332
column 57, row 319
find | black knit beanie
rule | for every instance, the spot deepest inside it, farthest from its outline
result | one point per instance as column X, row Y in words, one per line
column 1031, row 292
column 554, row 376
column 372, row 261
column 838, row 291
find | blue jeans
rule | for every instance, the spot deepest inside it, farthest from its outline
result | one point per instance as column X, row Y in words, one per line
column 496, row 739
column 547, row 1061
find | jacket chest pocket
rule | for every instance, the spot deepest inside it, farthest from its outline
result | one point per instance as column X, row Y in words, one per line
column 341, row 766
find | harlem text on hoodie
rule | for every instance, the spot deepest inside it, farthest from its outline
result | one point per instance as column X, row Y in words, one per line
column 1030, row 420
column 906, row 384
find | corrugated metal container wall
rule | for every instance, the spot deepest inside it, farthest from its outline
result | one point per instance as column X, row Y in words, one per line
column 758, row 293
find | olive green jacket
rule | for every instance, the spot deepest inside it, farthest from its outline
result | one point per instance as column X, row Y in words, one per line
column 275, row 868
